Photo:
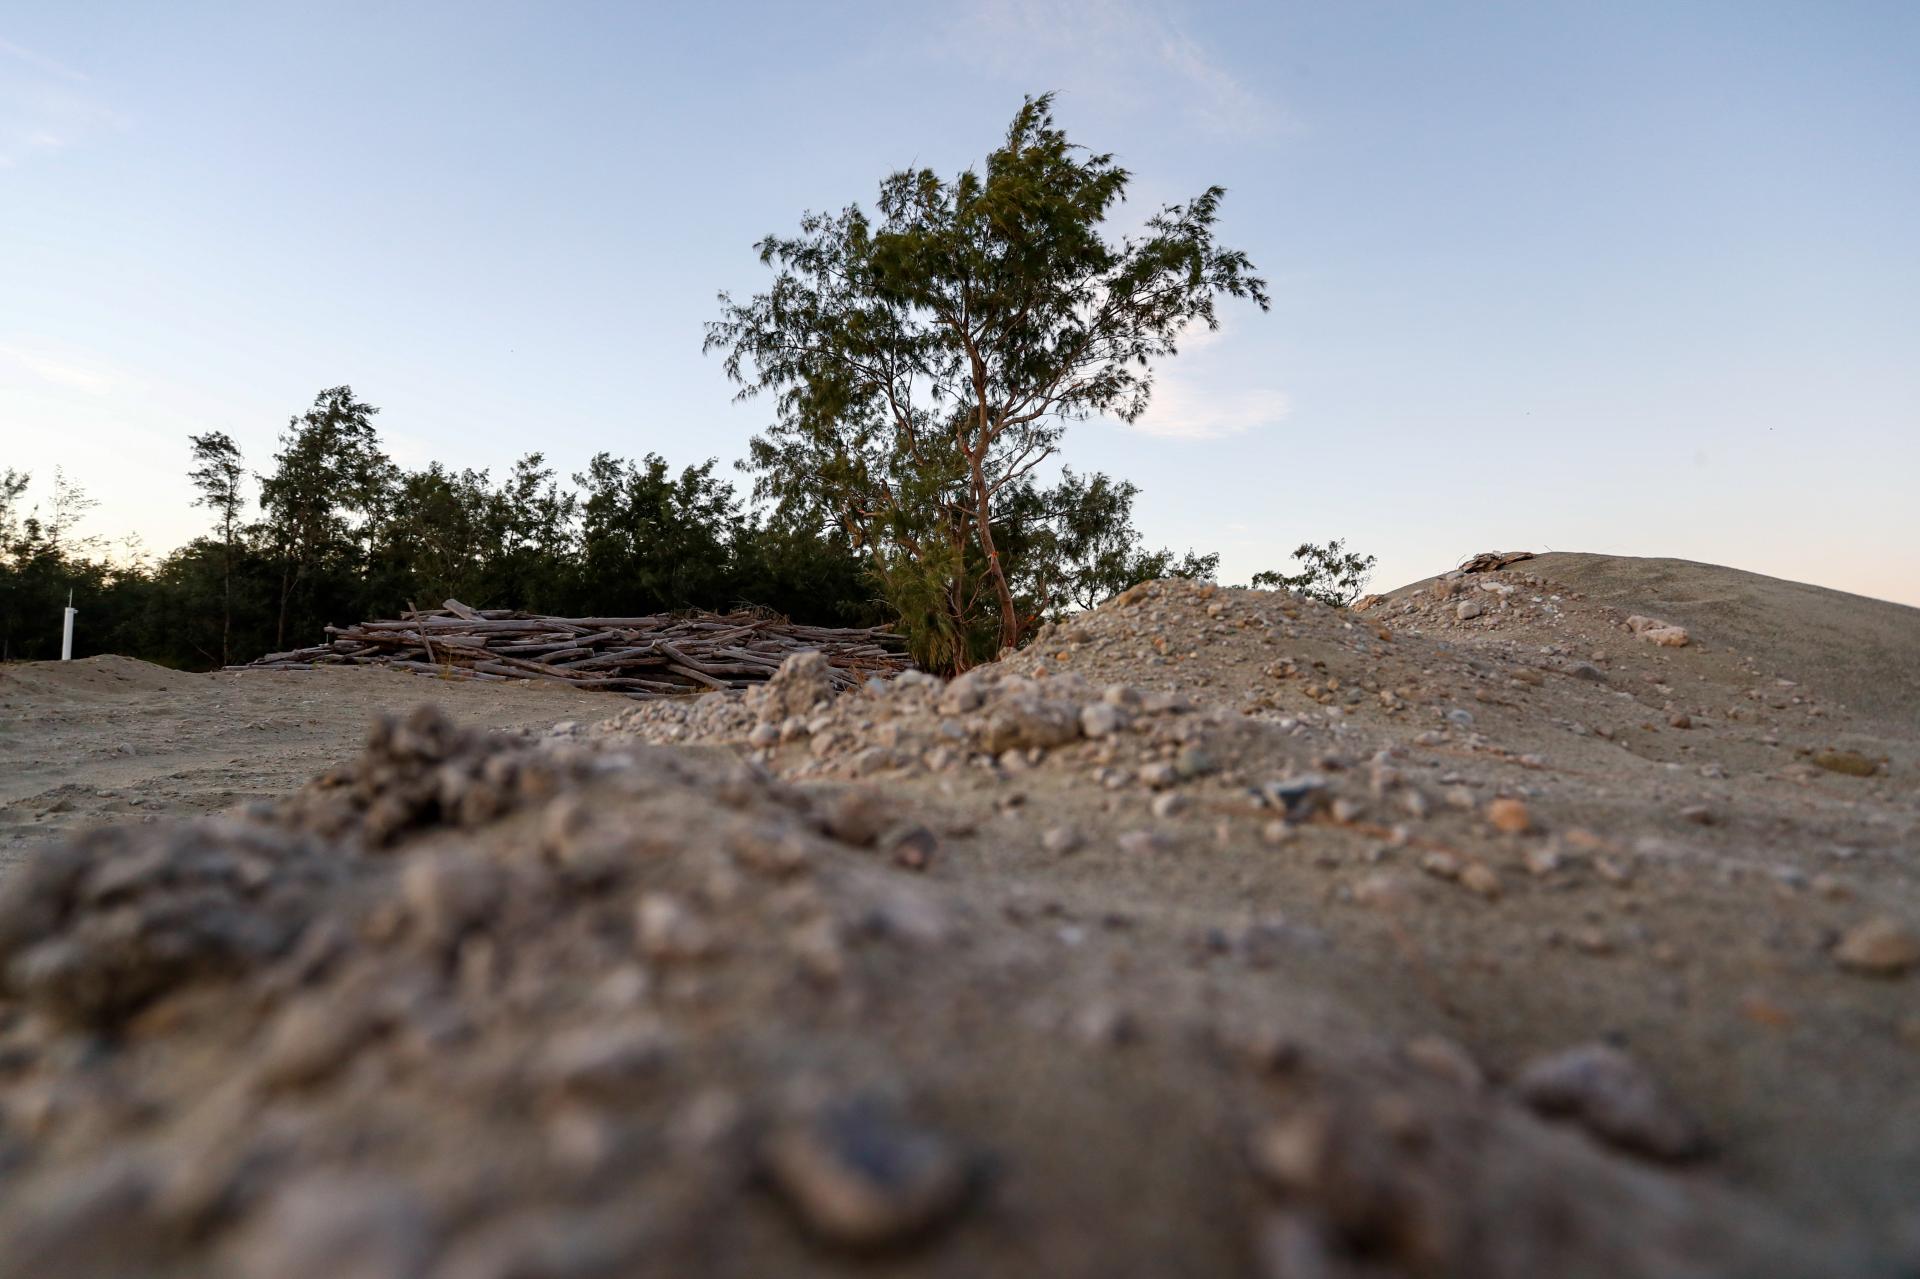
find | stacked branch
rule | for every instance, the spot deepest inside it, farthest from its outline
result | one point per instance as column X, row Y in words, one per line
column 662, row 655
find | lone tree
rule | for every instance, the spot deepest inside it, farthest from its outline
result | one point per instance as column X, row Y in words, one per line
column 927, row 360
column 218, row 472
column 1331, row 574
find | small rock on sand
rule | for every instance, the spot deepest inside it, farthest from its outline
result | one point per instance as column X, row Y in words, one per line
column 1881, row 947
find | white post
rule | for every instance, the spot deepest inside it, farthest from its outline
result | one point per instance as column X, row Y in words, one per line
column 66, row 635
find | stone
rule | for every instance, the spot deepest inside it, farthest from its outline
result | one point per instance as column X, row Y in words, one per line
column 1509, row 816
column 803, row 683
column 332, row 1225
column 1444, row 1058
column 914, row 847
column 1060, row 840
column 861, row 1178
column 1606, row 1092
column 1297, row 797
column 312, row 1038
column 1194, row 760
column 1480, row 879
column 1027, row 722
column 1467, row 610
column 1654, row 631
column 604, row 1062
column 668, row 930
column 1881, row 947
column 858, row 816
column 1848, row 763
column 448, row 893
column 1100, row 719
column 1169, row 804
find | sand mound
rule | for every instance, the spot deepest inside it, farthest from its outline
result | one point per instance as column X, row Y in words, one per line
column 1479, row 933
column 89, row 679
column 1859, row 652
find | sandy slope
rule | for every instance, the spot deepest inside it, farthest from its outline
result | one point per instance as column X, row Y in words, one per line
column 110, row 738
column 1031, row 974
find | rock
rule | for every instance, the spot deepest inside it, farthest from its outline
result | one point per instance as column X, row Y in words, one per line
column 858, row 816
column 1467, row 610
column 1850, row 763
column 1027, row 723
column 803, row 683
column 312, row 1038
column 861, row 1178
column 913, row 847
column 1062, row 839
column 1297, row 797
column 1100, row 719
column 1481, row 879
column 336, row 1226
column 1509, row 816
column 1654, row 631
column 1607, row 1093
column 1384, row 890
column 1881, row 947
column 1169, row 804
column 667, row 930
column 1445, row 1059
column 448, row 893
column 604, row 1062
column 1194, row 760
column 1680, row 721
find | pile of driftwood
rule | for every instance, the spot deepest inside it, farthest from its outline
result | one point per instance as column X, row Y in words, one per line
column 658, row 656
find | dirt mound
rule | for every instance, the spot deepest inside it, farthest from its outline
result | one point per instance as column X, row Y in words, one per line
column 1479, row 933
column 89, row 679
column 1859, row 652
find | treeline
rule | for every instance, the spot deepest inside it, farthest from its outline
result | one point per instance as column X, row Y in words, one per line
column 331, row 530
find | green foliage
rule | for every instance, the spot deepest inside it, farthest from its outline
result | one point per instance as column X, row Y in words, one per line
column 1331, row 574
column 924, row 363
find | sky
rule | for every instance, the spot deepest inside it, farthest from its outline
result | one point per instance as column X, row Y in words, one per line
column 1639, row 278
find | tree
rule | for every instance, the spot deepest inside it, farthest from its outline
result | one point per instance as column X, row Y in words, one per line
column 330, row 481
column 217, row 472
column 924, row 363
column 1075, row 545
column 1331, row 574
column 651, row 541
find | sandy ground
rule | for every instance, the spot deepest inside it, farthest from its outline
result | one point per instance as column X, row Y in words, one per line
column 111, row 739
column 1219, row 932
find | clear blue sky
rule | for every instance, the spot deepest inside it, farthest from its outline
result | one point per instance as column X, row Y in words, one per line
column 1640, row 277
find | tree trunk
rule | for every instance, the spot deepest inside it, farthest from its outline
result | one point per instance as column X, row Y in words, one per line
column 1009, row 616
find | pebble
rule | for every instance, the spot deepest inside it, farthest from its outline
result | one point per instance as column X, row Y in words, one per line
column 1605, row 1091
column 1881, row 947
column 448, row 893
column 1848, row 763
column 668, row 930
column 604, row 1062
column 1467, row 610
column 861, row 1178
column 914, row 847
column 1100, row 719
column 1509, row 816
column 330, row 1225
column 1445, row 1059
column 1169, row 804
column 1194, row 761
column 1139, row 843
column 1060, row 840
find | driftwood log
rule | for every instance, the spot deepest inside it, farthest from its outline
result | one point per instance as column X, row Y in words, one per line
column 662, row 655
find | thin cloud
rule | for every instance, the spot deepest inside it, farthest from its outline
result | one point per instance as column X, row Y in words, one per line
column 1181, row 410
column 71, row 373
column 43, row 110
column 1115, row 52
